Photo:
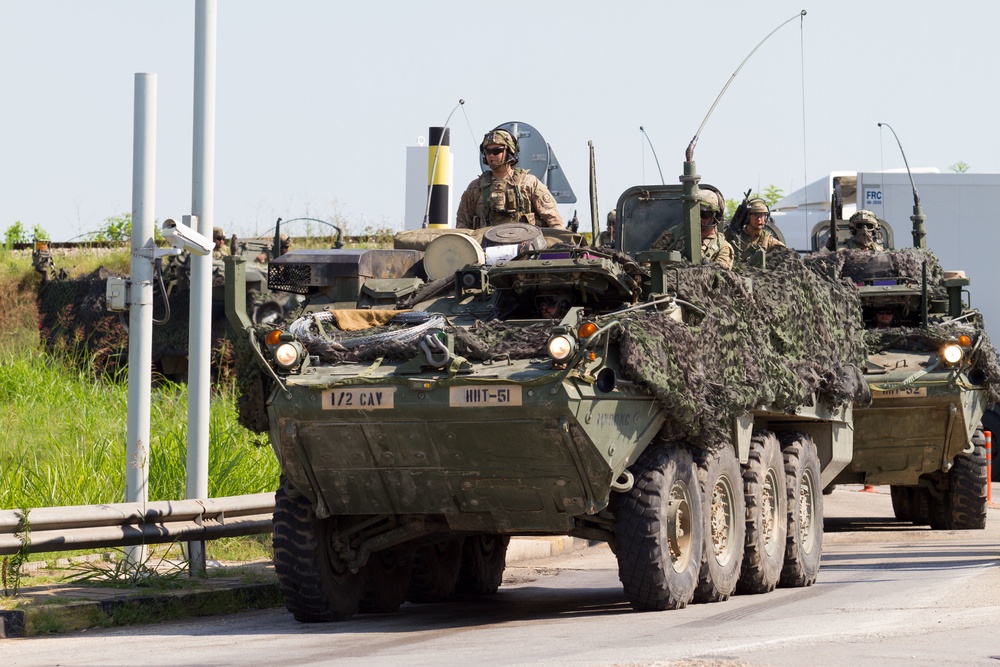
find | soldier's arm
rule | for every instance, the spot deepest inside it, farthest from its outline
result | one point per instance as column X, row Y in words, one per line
column 725, row 256
column 544, row 205
column 466, row 209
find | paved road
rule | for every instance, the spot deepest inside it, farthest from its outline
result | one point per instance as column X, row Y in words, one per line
column 886, row 595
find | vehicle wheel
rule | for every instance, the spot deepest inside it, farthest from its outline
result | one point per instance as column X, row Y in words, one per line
column 658, row 530
column 387, row 578
column 767, row 515
column 484, row 558
column 991, row 422
column 314, row 588
column 902, row 502
column 435, row 571
column 911, row 503
column 963, row 506
column 724, row 511
column 804, row 543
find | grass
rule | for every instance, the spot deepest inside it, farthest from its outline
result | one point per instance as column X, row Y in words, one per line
column 63, row 429
column 63, row 438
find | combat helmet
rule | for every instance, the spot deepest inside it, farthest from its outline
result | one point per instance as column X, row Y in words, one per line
column 864, row 219
column 711, row 200
column 505, row 139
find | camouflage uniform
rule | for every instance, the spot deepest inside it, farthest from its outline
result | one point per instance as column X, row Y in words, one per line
column 607, row 237
column 221, row 251
column 869, row 219
column 517, row 197
column 520, row 197
column 714, row 248
column 746, row 249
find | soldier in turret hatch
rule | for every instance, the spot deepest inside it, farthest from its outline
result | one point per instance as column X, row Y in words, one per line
column 714, row 248
column 753, row 238
column 505, row 193
column 865, row 233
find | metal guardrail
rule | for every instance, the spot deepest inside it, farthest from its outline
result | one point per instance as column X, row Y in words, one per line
column 129, row 524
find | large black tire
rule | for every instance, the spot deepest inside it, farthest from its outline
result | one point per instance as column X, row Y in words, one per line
column 387, row 578
column 911, row 503
column 658, row 530
column 963, row 506
column 724, row 511
column 484, row 558
column 767, row 515
column 315, row 590
column 991, row 422
column 804, row 542
column 435, row 571
column 902, row 502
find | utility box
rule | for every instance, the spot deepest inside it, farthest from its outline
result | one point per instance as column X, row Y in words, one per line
column 116, row 295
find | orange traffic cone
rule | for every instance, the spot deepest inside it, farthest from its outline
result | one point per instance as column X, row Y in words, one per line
column 868, row 489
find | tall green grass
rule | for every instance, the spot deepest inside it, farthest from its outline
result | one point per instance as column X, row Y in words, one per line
column 63, row 437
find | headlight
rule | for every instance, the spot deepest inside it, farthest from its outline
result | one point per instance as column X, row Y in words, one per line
column 561, row 348
column 952, row 353
column 287, row 355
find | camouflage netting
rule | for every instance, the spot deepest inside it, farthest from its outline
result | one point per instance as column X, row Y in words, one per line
column 864, row 264
column 73, row 317
column 907, row 264
column 765, row 338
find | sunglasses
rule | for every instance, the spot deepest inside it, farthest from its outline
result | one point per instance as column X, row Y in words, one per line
column 707, row 214
column 495, row 151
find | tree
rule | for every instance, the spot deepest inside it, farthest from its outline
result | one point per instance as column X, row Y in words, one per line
column 959, row 167
column 772, row 195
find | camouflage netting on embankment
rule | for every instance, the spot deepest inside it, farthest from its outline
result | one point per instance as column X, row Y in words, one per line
column 763, row 338
column 74, row 318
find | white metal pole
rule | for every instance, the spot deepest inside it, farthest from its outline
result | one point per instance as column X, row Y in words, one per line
column 202, row 206
column 140, row 340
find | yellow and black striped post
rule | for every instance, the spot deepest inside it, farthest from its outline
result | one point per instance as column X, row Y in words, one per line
column 438, row 177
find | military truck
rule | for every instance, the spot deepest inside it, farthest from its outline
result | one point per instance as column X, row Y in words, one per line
column 677, row 411
column 932, row 372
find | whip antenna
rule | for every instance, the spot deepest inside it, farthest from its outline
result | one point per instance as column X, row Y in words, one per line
column 918, row 214
column 689, row 154
column 643, row 130
column 427, row 207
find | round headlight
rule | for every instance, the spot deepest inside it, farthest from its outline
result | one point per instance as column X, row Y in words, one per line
column 561, row 348
column 286, row 355
column 952, row 353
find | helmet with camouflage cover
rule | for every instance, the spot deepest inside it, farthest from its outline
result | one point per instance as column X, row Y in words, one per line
column 710, row 200
column 864, row 219
column 757, row 205
column 502, row 138
column 218, row 234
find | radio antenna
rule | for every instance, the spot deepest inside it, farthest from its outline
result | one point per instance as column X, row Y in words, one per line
column 643, row 130
column 689, row 154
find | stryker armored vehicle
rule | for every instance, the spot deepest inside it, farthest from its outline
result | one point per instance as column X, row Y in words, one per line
column 430, row 404
column 932, row 372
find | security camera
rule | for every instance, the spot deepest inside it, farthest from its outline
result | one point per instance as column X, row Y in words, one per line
column 183, row 237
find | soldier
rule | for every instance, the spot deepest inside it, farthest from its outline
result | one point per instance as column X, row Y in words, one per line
column 751, row 241
column 885, row 317
column 219, row 238
column 607, row 238
column 865, row 233
column 265, row 256
column 714, row 248
column 505, row 194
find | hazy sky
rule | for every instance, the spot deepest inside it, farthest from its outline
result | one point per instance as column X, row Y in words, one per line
column 317, row 101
